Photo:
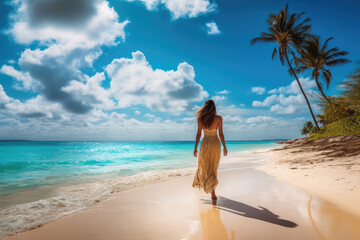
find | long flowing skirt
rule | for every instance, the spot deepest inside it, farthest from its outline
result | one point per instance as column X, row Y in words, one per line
column 208, row 163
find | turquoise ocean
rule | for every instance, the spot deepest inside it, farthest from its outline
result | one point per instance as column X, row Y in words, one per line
column 41, row 181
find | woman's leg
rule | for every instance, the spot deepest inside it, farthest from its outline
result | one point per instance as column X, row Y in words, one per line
column 213, row 195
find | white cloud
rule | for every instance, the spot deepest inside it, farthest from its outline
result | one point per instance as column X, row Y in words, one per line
column 68, row 37
column 62, row 45
column 258, row 90
column 267, row 102
column 293, row 88
column 36, row 107
column 240, row 111
column 149, row 115
column 4, row 98
column 212, row 28
column 27, row 82
column 91, row 92
column 181, row 8
column 135, row 82
column 261, row 119
column 287, row 99
column 283, row 104
column 218, row 98
column 189, row 119
column 224, row 92
column 229, row 119
column 40, row 119
column 100, row 28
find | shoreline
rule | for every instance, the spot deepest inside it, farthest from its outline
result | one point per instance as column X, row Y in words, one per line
column 248, row 200
column 70, row 199
column 257, row 160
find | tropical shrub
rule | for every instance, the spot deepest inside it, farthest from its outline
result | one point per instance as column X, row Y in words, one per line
column 345, row 126
column 335, row 109
column 308, row 128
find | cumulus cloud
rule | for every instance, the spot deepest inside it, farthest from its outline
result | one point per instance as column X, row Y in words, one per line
column 267, row 102
column 181, row 8
column 293, row 88
column 261, row 119
column 59, row 11
column 112, row 127
column 101, row 25
column 258, row 90
column 64, row 48
column 212, row 28
column 287, row 99
column 91, row 92
column 223, row 92
column 283, row 104
column 34, row 119
column 149, row 115
column 26, row 82
column 230, row 119
column 4, row 98
column 134, row 82
column 189, row 119
column 218, row 98
column 36, row 107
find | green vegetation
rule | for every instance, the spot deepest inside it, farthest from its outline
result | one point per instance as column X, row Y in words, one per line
column 335, row 108
column 341, row 115
column 308, row 128
column 345, row 126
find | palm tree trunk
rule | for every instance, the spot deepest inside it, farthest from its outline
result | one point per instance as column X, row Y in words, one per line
column 302, row 90
column 320, row 90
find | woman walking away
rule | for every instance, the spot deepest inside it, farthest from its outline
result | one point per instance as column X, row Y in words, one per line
column 210, row 149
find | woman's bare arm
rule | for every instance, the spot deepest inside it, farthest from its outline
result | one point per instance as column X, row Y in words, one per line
column 198, row 136
column 221, row 135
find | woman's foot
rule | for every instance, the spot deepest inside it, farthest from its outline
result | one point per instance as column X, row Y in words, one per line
column 213, row 195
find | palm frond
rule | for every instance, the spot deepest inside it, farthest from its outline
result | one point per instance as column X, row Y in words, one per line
column 274, row 53
column 317, row 56
column 326, row 43
column 337, row 62
column 327, row 76
column 262, row 39
column 336, row 54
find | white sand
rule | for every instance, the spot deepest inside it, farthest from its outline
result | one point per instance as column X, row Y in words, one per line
column 251, row 205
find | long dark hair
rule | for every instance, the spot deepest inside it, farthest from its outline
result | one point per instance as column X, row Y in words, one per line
column 207, row 113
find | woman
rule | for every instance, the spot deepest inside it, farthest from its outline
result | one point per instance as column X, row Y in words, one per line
column 210, row 149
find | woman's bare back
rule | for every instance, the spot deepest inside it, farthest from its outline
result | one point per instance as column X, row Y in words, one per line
column 215, row 123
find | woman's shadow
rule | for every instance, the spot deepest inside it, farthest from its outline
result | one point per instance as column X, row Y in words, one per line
column 245, row 210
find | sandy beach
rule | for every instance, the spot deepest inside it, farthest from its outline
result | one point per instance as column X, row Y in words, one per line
column 328, row 168
column 251, row 205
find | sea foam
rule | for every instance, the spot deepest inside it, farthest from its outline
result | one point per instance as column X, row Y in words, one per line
column 71, row 199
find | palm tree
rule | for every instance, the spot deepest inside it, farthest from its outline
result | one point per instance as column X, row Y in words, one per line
column 308, row 128
column 289, row 34
column 317, row 57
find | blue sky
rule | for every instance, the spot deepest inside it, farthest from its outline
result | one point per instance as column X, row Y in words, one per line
column 138, row 70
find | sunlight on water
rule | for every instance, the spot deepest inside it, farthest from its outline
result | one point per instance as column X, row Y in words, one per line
column 25, row 165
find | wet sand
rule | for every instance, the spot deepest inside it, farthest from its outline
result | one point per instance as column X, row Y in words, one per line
column 251, row 205
column 328, row 168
